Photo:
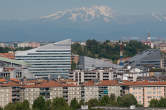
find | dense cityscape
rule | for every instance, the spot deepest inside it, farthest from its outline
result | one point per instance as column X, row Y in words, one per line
column 82, row 55
column 82, row 75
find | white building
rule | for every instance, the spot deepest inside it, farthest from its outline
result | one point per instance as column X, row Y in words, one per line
column 81, row 76
column 52, row 60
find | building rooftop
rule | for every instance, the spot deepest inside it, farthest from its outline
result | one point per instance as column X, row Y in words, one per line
column 7, row 55
column 12, row 61
column 108, row 83
column 144, row 83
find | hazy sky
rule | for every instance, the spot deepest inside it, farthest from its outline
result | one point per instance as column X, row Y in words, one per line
column 33, row 9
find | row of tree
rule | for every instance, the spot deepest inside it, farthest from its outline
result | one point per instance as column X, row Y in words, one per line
column 41, row 104
column 124, row 101
column 107, row 49
column 7, row 49
column 60, row 104
column 158, row 103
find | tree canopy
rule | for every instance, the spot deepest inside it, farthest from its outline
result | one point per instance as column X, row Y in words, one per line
column 127, row 100
column 106, row 49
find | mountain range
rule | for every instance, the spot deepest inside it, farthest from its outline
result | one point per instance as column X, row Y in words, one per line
column 96, row 22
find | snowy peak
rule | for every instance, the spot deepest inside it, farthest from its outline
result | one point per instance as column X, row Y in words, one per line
column 84, row 14
column 159, row 16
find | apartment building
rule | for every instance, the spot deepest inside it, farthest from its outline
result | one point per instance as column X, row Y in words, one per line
column 74, row 91
column 90, row 91
column 81, row 76
column 5, row 96
column 14, row 90
column 10, row 91
column 108, row 87
column 31, row 93
column 28, row 44
column 144, row 91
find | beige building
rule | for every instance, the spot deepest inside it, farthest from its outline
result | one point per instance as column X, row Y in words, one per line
column 74, row 92
column 90, row 91
column 31, row 93
column 9, row 92
column 13, row 91
column 144, row 91
column 163, row 47
column 108, row 87
column 5, row 96
column 56, row 92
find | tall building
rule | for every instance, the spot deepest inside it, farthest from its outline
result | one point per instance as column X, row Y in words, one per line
column 52, row 60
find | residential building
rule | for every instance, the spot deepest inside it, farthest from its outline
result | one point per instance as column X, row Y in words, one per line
column 5, row 96
column 162, row 47
column 74, row 91
column 31, row 93
column 108, row 87
column 49, row 61
column 81, row 76
column 9, row 92
column 28, row 44
column 89, row 91
column 144, row 91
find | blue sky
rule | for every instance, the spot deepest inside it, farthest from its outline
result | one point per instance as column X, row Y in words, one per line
column 33, row 9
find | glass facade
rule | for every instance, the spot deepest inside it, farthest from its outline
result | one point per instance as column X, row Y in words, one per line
column 52, row 60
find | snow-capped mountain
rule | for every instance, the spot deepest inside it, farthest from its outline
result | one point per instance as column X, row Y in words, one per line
column 159, row 16
column 83, row 14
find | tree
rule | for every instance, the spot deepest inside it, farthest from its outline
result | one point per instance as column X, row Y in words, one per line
column 59, row 104
column 48, row 105
column 81, row 102
column 93, row 102
column 113, row 101
column 26, row 105
column 10, row 106
column 162, row 102
column 74, row 104
column 105, row 100
column 127, row 100
column 96, row 49
column 39, row 104
column 73, row 65
column 154, row 103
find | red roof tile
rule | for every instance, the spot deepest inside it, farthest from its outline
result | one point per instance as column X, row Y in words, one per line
column 108, row 83
column 144, row 83
column 7, row 55
column 3, row 80
column 89, row 83
column 10, row 84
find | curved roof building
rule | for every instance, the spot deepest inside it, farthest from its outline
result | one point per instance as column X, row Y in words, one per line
column 52, row 60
